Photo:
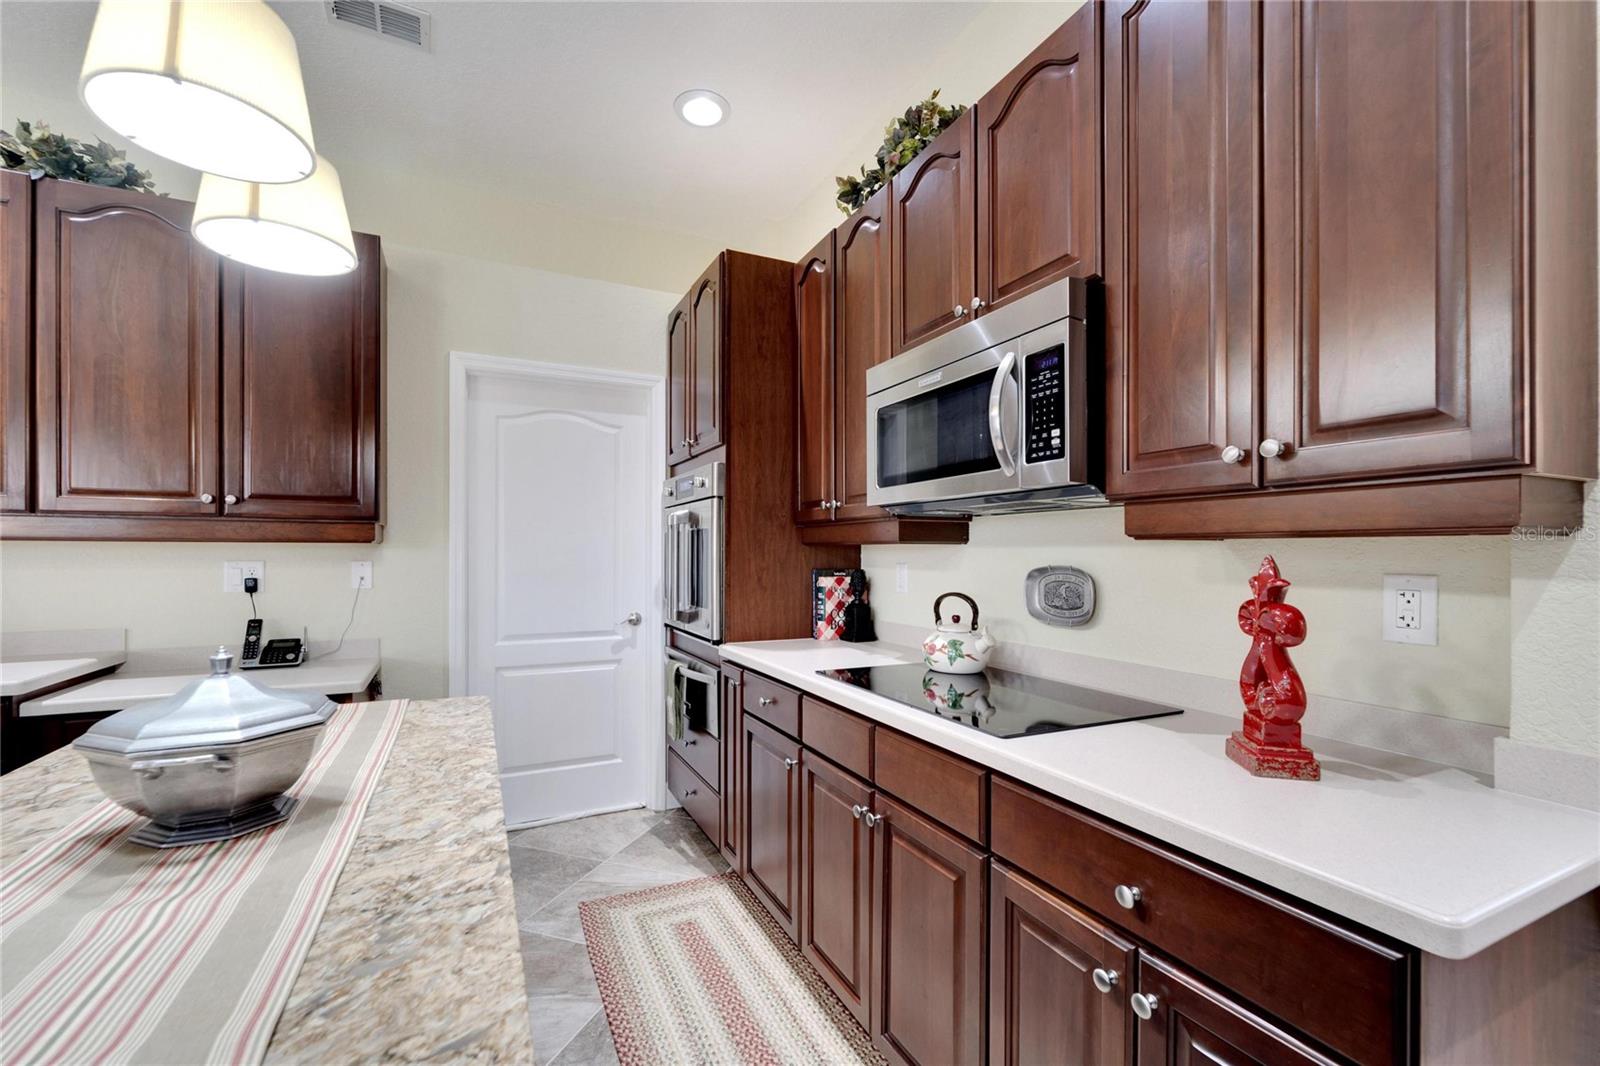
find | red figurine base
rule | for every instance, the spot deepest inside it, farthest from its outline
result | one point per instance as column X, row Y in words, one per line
column 1274, row 699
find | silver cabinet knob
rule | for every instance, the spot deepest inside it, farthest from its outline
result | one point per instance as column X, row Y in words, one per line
column 977, row 302
column 633, row 619
column 690, row 792
column 837, row 504
column 959, row 311
column 1143, row 1005
column 689, row 742
column 1272, row 448
column 230, row 498
column 206, row 497
column 766, row 701
column 1104, row 980
column 872, row 821
column 856, row 811
column 1233, row 454
column 790, row 764
column 1128, row 896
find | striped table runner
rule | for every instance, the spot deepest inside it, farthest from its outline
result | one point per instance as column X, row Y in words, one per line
column 114, row 952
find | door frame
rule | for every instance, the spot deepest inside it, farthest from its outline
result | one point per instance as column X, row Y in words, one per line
column 465, row 366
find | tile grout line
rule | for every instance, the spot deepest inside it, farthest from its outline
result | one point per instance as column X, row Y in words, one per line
column 574, row 1036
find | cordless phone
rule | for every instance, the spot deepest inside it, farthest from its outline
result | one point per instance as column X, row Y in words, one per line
column 284, row 651
column 252, row 641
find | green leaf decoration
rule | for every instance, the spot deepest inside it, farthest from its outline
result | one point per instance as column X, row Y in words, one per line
column 45, row 154
column 954, row 650
column 953, row 698
column 903, row 140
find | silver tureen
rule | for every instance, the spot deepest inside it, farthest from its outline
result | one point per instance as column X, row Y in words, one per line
column 209, row 763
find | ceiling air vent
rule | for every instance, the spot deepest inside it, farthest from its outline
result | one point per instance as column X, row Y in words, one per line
column 394, row 21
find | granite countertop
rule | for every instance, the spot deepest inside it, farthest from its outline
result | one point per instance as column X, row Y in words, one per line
column 1432, row 855
column 417, row 955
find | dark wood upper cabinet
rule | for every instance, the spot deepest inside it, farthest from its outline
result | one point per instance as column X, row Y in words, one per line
column 300, row 404
column 836, row 881
column 1395, row 194
column 928, row 947
column 706, row 388
column 1038, row 157
column 770, row 809
column 814, row 393
column 1193, row 1021
column 1182, row 189
column 1047, row 1005
column 678, row 371
column 931, row 238
column 861, row 341
column 127, row 355
column 16, row 310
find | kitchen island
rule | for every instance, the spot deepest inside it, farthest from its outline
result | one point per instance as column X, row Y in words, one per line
column 416, row 956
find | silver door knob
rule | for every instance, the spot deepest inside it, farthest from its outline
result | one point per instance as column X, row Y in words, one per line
column 872, row 820
column 230, row 498
column 790, row 764
column 633, row 619
column 977, row 302
column 856, row 811
column 1104, row 980
column 1272, row 448
column 1233, row 454
column 959, row 311
column 1128, row 896
column 206, row 497
column 1143, row 1005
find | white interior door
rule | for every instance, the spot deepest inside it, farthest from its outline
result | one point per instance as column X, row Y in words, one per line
column 559, row 551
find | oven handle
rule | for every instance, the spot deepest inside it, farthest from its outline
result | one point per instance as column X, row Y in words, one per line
column 674, row 569
column 1002, row 447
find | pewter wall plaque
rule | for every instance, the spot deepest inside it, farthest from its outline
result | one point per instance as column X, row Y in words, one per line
column 1060, row 595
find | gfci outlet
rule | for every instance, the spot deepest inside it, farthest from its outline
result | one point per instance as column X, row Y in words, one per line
column 233, row 575
column 1411, row 608
column 361, row 575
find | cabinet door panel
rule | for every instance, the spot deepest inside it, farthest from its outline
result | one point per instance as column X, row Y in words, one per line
column 934, row 204
column 836, row 881
column 1194, row 1022
column 732, row 784
column 16, row 310
column 1044, row 1006
column 300, row 411
column 1393, row 287
column 861, row 341
column 1182, row 188
column 127, row 354
column 814, row 433
column 771, row 809
column 1039, row 166
column 678, row 384
column 705, row 390
column 928, row 947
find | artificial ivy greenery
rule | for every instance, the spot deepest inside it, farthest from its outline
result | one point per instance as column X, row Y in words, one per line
column 903, row 140
column 44, row 154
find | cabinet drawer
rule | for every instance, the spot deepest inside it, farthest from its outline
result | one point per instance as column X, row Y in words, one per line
column 841, row 736
column 697, row 797
column 703, row 753
column 944, row 787
column 1338, row 985
column 775, row 704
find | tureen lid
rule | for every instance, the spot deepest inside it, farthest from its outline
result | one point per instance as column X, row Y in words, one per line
column 225, row 708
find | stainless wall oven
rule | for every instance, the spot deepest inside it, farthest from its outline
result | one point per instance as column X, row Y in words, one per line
column 692, row 581
column 990, row 417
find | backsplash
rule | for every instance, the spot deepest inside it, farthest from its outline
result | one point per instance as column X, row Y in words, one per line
column 1173, row 604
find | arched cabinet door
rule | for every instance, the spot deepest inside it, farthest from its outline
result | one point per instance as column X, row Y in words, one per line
column 706, row 398
column 16, row 298
column 678, row 355
column 814, row 393
column 861, row 341
column 127, row 355
column 931, row 238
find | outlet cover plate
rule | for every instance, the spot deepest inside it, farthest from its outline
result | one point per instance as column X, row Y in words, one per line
column 1423, row 628
column 361, row 575
column 233, row 575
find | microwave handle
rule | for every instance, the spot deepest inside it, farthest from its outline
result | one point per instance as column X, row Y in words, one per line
column 997, row 437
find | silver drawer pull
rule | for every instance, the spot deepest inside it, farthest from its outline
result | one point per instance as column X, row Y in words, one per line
column 1143, row 1005
column 1104, row 980
column 872, row 820
column 1128, row 896
column 766, row 701
column 690, row 792
column 688, row 742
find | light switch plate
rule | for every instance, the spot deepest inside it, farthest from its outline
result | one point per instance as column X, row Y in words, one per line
column 233, row 575
column 1410, row 608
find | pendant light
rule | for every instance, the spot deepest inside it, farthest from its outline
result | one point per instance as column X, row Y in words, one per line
column 294, row 229
column 212, row 85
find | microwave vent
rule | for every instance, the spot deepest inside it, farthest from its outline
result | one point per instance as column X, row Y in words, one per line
column 397, row 22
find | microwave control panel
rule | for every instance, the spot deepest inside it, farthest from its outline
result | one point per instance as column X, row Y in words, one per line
column 1045, row 416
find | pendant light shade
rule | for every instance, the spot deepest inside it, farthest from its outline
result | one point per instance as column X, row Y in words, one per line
column 295, row 229
column 212, row 85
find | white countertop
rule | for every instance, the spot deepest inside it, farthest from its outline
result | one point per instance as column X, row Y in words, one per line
column 32, row 661
column 1429, row 854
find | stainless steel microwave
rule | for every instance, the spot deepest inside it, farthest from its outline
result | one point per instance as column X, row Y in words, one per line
column 990, row 417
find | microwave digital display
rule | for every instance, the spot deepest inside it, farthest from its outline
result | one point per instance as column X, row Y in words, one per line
column 1045, row 416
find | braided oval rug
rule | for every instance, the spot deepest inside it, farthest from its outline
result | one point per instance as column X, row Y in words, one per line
column 697, row 972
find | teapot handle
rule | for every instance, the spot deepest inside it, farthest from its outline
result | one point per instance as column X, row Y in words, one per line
column 937, row 620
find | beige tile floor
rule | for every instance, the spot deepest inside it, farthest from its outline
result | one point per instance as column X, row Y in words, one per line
column 556, row 867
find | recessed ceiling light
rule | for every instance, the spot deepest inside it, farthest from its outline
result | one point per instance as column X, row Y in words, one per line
column 701, row 107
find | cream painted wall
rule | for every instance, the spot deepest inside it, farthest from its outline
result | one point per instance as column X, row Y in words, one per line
column 170, row 594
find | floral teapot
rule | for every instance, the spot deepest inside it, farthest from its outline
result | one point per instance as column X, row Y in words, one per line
column 957, row 647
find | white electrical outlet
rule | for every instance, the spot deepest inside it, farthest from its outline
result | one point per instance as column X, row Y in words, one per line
column 902, row 577
column 361, row 575
column 233, row 575
column 1411, row 608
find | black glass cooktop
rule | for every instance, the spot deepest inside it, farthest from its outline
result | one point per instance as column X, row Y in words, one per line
column 999, row 702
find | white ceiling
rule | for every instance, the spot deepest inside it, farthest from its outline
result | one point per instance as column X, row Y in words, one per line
column 572, row 102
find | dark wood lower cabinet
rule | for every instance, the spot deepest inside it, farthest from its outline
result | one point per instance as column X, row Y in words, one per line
column 1193, row 1022
column 770, row 808
column 928, row 948
column 732, row 787
column 1059, row 980
column 836, row 880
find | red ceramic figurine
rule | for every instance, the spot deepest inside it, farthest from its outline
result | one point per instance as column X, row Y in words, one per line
column 1274, row 699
